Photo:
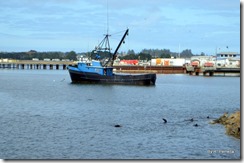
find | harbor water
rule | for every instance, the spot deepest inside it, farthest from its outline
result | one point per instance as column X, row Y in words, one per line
column 44, row 116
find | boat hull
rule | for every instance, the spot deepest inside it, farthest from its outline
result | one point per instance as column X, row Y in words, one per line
column 94, row 78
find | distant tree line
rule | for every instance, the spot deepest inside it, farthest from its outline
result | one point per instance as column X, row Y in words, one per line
column 145, row 54
column 40, row 55
column 148, row 54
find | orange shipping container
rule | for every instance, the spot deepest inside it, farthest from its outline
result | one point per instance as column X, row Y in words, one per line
column 158, row 61
column 166, row 62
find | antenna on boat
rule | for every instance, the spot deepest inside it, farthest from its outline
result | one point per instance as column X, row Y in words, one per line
column 103, row 47
column 104, row 44
column 107, row 19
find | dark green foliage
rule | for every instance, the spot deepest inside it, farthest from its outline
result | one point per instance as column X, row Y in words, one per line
column 145, row 54
column 130, row 56
column 186, row 53
column 40, row 55
column 131, row 52
column 71, row 55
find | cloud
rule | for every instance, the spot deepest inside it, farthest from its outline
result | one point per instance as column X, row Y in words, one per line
column 152, row 23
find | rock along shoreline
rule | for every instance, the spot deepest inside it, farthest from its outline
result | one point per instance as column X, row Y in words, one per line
column 231, row 123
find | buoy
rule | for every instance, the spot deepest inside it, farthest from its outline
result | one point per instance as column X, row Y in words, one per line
column 165, row 121
column 208, row 117
column 192, row 120
column 196, row 125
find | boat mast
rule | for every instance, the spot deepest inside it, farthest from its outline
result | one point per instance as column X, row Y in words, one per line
column 104, row 44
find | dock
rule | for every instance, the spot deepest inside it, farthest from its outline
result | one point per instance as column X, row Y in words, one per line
column 213, row 71
column 63, row 65
column 32, row 64
column 196, row 71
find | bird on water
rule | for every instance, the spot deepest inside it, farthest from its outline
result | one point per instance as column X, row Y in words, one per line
column 165, row 121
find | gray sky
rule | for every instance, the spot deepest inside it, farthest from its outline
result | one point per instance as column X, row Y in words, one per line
column 79, row 25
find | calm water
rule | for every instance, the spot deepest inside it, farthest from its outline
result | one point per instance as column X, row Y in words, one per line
column 44, row 116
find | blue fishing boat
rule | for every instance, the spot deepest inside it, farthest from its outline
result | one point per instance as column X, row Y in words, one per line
column 100, row 71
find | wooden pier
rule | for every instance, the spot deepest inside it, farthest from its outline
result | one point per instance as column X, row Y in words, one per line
column 30, row 64
column 213, row 71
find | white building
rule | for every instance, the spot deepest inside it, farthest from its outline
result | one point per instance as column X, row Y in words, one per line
column 228, row 59
column 227, row 55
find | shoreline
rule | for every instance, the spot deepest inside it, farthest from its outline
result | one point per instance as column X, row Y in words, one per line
column 231, row 123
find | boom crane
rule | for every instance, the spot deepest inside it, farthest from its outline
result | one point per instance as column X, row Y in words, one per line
column 121, row 41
